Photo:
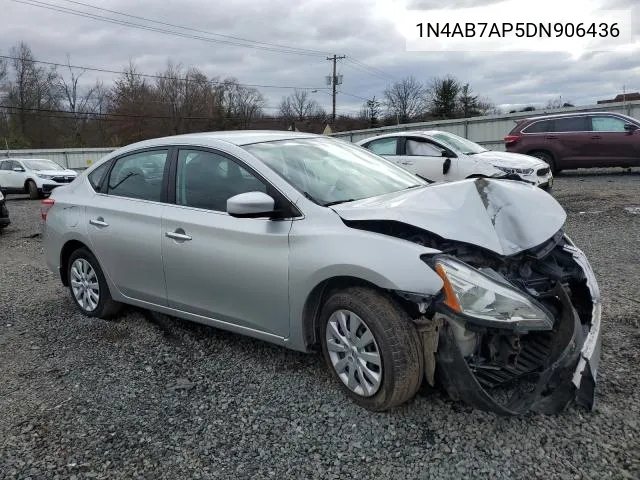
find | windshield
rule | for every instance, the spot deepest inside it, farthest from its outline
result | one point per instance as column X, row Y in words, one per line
column 332, row 171
column 459, row 144
column 42, row 165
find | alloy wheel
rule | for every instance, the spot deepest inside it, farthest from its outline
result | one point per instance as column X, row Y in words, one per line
column 84, row 284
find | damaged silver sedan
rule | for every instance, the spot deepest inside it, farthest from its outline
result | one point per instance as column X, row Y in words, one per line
column 313, row 243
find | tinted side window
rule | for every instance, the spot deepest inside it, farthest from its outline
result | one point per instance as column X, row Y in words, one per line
column 537, row 127
column 571, row 124
column 5, row 165
column 420, row 147
column 607, row 124
column 138, row 175
column 206, row 180
column 95, row 176
column 384, row 146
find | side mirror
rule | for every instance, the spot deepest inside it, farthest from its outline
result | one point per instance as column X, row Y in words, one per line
column 446, row 165
column 18, row 169
column 251, row 205
column 630, row 127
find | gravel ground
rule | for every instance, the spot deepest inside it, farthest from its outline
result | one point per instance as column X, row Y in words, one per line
column 141, row 398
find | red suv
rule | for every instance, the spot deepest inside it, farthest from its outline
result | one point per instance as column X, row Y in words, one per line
column 578, row 140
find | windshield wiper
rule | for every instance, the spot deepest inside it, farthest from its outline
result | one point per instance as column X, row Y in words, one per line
column 328, row 204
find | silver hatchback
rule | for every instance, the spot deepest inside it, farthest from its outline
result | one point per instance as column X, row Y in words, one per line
column 314, row 243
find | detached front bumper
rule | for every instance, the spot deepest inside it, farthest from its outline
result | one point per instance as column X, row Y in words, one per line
column 567, row 358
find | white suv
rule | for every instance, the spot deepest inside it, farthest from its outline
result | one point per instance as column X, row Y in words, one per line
column 35, row 176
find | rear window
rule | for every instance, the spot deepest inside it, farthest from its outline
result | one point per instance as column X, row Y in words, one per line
column 537, row 127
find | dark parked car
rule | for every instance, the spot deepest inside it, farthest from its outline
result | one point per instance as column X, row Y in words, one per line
column 4, row 213
column 578, row 140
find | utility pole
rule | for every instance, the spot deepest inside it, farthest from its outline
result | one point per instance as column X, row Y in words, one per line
column 334, row 81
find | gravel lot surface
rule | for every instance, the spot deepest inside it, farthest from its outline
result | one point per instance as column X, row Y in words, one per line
column 144, row 398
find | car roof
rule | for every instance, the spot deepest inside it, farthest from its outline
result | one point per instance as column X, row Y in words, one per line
column 426, row 133
column 235, row 137
column 551, row 116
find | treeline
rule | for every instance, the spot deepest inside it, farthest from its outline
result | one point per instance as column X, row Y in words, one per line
column 52, row 106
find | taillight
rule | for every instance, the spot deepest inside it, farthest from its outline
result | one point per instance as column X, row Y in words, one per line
column 45, row 205
column 511, row 139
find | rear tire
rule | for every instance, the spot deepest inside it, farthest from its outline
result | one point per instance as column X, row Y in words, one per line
column 547, row 158
column 88, row 286
column 394, row 343
column 32, row 190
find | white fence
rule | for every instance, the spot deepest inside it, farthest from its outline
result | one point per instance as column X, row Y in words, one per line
column 488, row 130
column 74, row 158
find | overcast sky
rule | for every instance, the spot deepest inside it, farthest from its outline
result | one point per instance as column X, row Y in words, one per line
column 369, row 31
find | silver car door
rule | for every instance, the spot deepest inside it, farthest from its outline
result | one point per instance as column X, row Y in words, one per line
column 124, row 225
column 229, row 269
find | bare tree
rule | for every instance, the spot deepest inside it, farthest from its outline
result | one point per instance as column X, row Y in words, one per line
column 31, row 95
column 131, row 103
column 406, row 99
column 240, row 104
column 443, row 97
column 299, row 107
column 78, row 101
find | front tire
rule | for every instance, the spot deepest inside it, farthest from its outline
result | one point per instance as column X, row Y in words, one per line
column 88, row 286
column 32, row 190
column 371, row 347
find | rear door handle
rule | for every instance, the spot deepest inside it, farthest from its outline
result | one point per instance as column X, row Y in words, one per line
column 98, row 222
column 178, row 235
column 551, row 137
column 596, row 137
column 406, row 162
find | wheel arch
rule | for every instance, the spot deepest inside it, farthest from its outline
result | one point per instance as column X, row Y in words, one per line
column 65, row 253
column 321, row 292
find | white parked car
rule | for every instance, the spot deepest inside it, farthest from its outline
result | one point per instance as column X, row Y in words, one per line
column 439, row 156
column 35, row 176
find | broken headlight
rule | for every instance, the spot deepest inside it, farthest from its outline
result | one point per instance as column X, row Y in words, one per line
column 488, row 301
column 520, row 171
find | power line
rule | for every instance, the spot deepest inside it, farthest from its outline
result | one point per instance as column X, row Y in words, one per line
column 147, row 75
column 318, row 52
column 235, row 40
column 79, row 13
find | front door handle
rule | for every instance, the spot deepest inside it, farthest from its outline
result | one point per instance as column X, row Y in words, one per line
column 178, row 235
column 551, row 137
column 406, row 162
column 98, row 222
column 596, row 137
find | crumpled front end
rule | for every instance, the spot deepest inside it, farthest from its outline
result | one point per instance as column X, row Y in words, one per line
column 513, row 370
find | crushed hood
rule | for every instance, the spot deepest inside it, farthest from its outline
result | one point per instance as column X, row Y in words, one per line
column 504, row 216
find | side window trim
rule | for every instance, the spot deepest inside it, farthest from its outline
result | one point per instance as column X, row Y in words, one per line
column 279, row 196
column 398, row 141
column 428, row 141
column 114, row 160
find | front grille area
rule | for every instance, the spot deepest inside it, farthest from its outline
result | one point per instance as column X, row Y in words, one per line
column 543, row 171
column 535, row 351
column 62, row 179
